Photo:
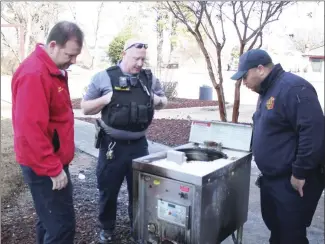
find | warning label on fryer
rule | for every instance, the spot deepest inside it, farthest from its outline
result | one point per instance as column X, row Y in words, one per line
column 184, row 188
column 200, row 131
column 201, row 123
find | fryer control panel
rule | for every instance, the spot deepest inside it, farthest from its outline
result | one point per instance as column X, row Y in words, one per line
column 172, row 213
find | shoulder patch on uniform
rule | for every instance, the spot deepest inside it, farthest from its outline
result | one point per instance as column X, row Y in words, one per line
column 270, row 103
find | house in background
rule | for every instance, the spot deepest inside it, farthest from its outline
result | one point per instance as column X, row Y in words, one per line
column 315, row 59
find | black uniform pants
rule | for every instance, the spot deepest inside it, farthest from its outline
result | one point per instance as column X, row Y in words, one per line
column 54, row 208
column 285, row 213
column 111, row 173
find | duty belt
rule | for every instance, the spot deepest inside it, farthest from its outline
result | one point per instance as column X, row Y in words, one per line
column 101, row 126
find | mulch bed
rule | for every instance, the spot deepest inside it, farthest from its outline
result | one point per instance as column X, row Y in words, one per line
column 170, row 132
column 175, row 103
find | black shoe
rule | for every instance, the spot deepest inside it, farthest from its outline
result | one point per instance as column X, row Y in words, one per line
column 105, row 237
column 132, row 240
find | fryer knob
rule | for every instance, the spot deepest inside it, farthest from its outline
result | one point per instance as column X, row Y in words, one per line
column 183, row 195
column 152, row 228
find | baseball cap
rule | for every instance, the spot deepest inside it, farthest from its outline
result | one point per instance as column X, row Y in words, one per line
column 134, row 42
column 251, row 59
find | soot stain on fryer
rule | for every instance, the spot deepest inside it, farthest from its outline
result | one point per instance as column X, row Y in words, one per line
column 173, row 234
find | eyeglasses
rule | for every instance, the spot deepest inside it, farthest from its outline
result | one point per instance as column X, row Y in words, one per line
column 245, row 76
column 138, row 45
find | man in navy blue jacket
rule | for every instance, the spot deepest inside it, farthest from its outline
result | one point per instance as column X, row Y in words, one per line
column 288, row 146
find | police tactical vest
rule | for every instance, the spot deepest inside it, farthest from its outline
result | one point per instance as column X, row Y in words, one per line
column 131, row 108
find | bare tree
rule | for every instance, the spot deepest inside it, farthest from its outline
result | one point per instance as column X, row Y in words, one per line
column 6, row 43
column 165, row 21
column 85, row 57
column 249, row 14
column 160, row 28
column 303, row 39
column 99, row 11
column 34, row 18
column 172, row 35
column 198, row 17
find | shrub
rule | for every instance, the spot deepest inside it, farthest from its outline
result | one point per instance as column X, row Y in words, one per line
column 9, row 64
column 170, row 89
column 115, row 48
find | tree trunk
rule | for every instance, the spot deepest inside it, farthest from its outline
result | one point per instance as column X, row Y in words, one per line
column 160, row 42
column 235, row 109
column 94, row 57
column 241, row 49
column 28, row 33
column 159, row 52
column 222, row 101
column 172, row 35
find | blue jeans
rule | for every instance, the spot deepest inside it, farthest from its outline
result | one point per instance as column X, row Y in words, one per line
column 54, row 208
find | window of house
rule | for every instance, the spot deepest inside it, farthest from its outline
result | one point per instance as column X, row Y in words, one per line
column 317, row 64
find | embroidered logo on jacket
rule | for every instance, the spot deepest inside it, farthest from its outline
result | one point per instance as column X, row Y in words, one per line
column 270, row 103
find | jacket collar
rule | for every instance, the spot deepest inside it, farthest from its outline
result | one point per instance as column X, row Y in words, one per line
column 51, row 66
column 271, row 78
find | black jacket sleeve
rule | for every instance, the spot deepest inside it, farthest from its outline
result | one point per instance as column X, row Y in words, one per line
column 306, row 116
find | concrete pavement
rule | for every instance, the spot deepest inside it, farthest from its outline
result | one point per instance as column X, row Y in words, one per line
column 5, row 109
column 84, row 139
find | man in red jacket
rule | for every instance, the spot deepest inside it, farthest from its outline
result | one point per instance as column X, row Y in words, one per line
column 43, row 124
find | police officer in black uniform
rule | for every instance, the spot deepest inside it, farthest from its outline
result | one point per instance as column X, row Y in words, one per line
column 126, row 95
column 288, row 146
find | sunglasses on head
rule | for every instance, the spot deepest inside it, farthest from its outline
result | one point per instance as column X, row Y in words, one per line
column 138, row 45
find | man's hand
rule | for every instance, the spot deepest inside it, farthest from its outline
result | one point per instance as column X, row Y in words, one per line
column 91, row 107
column 60, row 181
column 159, row 102
column 297, row 185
